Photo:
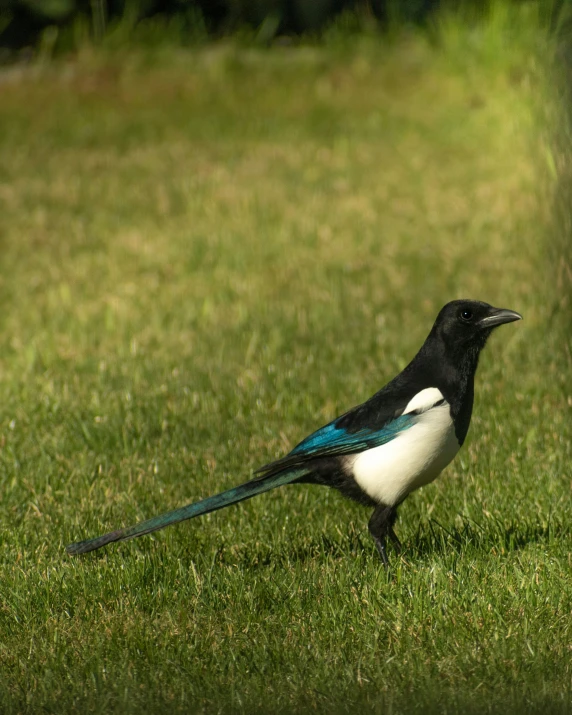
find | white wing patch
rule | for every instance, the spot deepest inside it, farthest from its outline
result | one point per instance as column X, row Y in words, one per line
column 415, row 457
column 424, row 400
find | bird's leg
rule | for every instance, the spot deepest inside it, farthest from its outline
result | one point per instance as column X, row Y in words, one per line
column 380, row 527
column 394, row 540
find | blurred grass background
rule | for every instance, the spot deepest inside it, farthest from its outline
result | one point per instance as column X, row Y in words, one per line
column 210, row 251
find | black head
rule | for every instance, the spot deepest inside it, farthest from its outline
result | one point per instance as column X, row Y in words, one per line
column 465, row 325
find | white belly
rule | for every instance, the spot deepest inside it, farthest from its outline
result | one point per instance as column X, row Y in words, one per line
column 415, row 457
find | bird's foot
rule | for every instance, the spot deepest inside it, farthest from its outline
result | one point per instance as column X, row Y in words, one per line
column 380, row 544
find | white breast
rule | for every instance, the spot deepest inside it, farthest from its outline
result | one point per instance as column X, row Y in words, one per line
column 415, row 457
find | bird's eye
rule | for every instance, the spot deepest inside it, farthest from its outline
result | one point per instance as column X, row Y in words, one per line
column 466, row 315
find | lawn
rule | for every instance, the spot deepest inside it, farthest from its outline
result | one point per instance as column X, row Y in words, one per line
column 206, row 254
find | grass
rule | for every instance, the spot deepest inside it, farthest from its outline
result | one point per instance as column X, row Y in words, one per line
column 207, row 256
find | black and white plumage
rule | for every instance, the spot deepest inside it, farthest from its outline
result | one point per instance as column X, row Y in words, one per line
column 387, row 447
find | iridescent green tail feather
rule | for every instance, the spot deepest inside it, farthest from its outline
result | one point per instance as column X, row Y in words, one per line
column 218, row 501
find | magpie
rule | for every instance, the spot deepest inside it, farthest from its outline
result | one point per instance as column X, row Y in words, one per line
column 382, row 450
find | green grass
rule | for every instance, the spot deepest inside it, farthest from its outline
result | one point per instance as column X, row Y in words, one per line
column 205, row 257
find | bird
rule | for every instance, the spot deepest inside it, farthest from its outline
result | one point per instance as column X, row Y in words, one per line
column 380, row 451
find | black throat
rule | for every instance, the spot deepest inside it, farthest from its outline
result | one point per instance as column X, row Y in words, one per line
column 451, row 369
column 448, row 365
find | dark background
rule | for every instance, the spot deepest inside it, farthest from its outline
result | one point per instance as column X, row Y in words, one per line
column 22, row 22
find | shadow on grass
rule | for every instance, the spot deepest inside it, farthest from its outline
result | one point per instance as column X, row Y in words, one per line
column 434, row 700
column 436, row 539
column 433, row 539
column 319, row 547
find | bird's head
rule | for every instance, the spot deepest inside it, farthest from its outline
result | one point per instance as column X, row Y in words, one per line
column 465, row 325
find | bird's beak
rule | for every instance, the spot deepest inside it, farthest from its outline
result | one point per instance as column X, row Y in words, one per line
column 498, row 316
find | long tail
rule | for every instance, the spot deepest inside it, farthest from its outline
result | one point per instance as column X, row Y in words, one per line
column 218, row 501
